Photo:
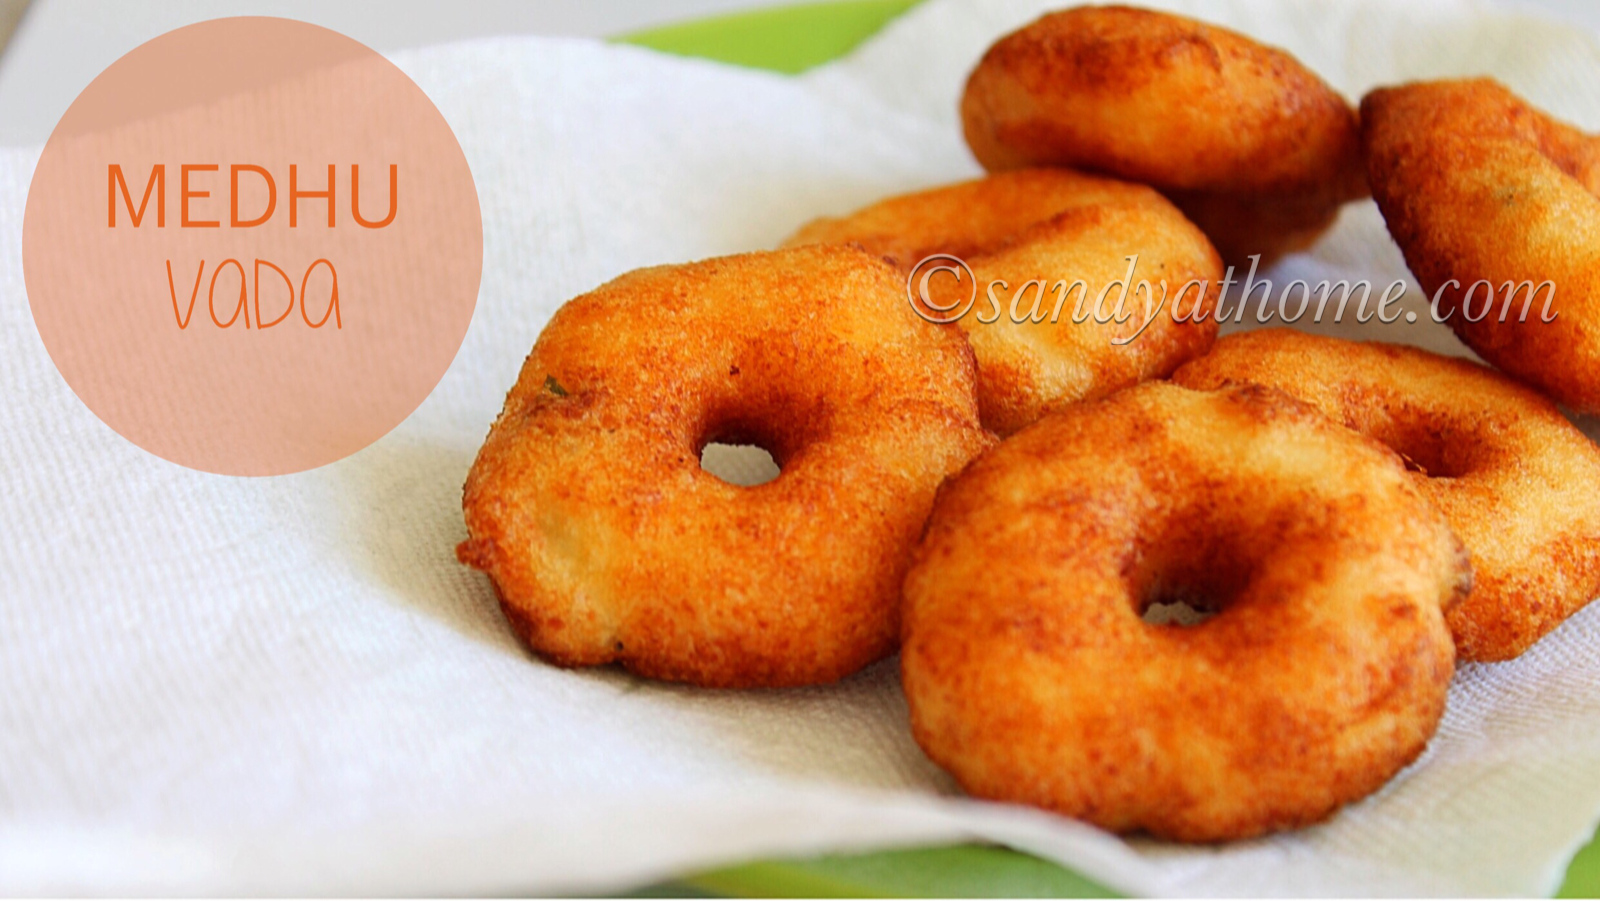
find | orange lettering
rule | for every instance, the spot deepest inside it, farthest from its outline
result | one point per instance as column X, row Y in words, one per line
column 295, row 194
column 333, row 297
column 183, row 321
column 355, row 196
column 157, row 182
column 272, row 196
column 262, row 323
column 184, row 194
column 211, row 297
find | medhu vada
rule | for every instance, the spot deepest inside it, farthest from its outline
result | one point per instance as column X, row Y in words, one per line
column 1049, row 254
column 1249, row 143
column 1322, row 672
column 1490, row 198
column 607, row 542
column 1514, row 478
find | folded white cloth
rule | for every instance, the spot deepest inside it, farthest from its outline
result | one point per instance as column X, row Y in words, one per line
column 225, row 685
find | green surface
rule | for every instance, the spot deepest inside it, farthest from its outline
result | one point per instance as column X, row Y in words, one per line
column 960, row 871
column 1583, row 874
column 788, row 40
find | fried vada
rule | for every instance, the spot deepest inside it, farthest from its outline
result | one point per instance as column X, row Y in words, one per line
column 1322, row 672
column 1051, row 297
column 1496, row 207
column 605, row 540
column 1247, row 141
column 1514, row 478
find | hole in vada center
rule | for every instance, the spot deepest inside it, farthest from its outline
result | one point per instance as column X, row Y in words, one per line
column 1175, row 613
column 746, row 465
column 1427, row 446
column 1182, row 605
column 1195, row 567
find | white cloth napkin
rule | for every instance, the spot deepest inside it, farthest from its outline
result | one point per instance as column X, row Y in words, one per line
column 225, row 685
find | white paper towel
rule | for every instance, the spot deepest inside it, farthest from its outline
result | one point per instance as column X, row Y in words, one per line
column 285, row 685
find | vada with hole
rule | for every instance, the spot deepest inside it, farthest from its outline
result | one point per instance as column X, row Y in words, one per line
column 605, row 540
column 1515, row 479
column 1323, row 671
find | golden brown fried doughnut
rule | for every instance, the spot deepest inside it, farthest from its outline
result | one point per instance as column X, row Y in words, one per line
column 1480, row 190
column 607, row 542
column 1515, row 479
column 1249, row 143
column 1323, row 673
column 1055, row 226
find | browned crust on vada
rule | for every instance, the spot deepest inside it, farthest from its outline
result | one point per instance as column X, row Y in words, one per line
column 1476, row 185
column 1249, row 143
column 1324, row 672
column 1515, row 479
column 1055, row 227
column 605, row 540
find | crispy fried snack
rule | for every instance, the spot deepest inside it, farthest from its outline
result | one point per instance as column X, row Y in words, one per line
column 1323, row 672
column 1249, row 143
column 606, row 541
column 1041, row 342
column 1483, row 192
column 1515, row 479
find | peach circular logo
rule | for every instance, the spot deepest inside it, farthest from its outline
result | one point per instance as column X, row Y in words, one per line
column 252, row 246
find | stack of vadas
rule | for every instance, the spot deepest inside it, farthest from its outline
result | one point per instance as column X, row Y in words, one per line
column 1039, row 342
column 1248, row 142
column 992, row 480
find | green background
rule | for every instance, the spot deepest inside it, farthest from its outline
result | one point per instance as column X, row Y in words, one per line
column 789, row 40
